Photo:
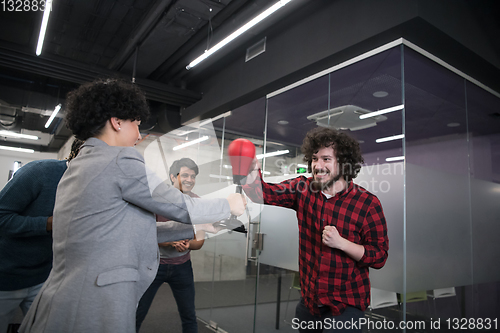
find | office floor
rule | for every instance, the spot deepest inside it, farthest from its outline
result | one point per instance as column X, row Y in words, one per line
column 228, row 305
column 227, row 315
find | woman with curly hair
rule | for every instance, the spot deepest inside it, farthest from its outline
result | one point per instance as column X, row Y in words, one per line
column 342, row 230
column 105, row 237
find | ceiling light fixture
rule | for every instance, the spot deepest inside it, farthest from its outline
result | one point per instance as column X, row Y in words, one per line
column 53, row 115
column 17, row 166
column 220, row 177
column 390, row 138
column 274, row 153
column 380, row 94
column 396, row 158
column 43, row 28
column 190, row 143
column 345, row 117
column 197, row 126
column 211, row 120
column 18, row 135
column 376, row 113
column 22, row 150
column 238, row 32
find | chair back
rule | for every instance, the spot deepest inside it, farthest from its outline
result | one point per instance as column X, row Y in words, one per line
column 443, row 292
column 382, row 298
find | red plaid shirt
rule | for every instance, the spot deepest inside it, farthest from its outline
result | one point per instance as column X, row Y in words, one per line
column 328, row 276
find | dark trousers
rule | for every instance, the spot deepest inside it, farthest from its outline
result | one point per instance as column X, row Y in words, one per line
column 181, row 281
column 304, row 321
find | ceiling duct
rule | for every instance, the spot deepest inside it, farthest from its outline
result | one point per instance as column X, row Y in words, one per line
column 10, row 118
column 168, row 117
column 345, row 117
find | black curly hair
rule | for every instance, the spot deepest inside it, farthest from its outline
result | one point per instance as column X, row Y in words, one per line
column 175, row 169
column 346, row 149
column 90, row 106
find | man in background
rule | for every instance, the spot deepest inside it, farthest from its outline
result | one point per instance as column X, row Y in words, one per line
column 26, row 207
column 175, row 261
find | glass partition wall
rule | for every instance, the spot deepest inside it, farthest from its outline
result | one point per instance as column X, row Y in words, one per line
column 432, row 157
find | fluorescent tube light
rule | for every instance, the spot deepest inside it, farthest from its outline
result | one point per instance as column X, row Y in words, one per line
column 200, row 124
column 43, row 28
column 18, row 135
column 390, row 138
column 210, row 120
column 396, row 158
column 53, row 115
column 23, row 150
column 220, row 177
column 274, row 153
column 238, row 32
column 17, row 166
column 377, row 113
column 187, row 144
column 301, row 166
column 266, row 172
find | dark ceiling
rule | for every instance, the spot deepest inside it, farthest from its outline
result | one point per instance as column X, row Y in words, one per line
column 151, row 41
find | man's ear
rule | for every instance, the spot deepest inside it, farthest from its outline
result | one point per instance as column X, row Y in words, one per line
column 172, row 179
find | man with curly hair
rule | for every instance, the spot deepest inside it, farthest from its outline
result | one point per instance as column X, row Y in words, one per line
column 342, row 231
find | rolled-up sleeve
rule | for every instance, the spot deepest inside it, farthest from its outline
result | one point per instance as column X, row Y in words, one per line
column 375, row 240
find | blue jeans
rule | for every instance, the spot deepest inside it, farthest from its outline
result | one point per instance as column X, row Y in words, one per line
column 304, row 321
column 11, row 300
column 181, row 281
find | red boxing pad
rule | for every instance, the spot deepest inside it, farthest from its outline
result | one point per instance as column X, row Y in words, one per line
column 241, row 154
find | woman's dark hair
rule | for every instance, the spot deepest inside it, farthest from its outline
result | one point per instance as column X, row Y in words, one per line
column 175, row 168
column 90, row 106
column 75, row 148
column 346, row 150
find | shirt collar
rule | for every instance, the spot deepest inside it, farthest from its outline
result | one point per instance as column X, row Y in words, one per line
column 345, row 191
column 91, row 142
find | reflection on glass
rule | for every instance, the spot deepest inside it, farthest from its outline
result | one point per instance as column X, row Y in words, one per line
column 437, row 176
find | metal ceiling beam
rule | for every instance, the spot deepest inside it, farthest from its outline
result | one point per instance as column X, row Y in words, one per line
column 142, row 31
column 176, row 63
column 78, row 73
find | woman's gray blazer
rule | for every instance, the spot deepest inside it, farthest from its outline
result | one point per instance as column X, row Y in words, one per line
column 105, row 240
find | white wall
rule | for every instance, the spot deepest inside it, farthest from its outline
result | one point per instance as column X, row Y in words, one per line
column 7, row 159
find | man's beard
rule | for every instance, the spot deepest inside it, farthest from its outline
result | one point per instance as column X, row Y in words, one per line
column 320, row 186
